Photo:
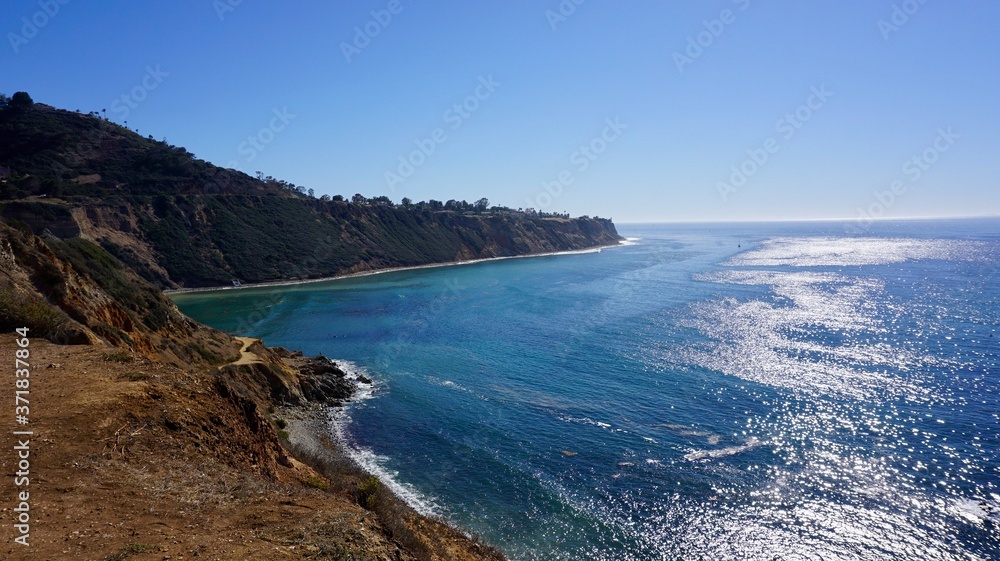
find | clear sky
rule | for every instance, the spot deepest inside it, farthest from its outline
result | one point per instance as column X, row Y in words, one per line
column 713, row 110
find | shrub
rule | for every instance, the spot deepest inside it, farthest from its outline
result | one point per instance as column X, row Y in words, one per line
column 368, row 493
column 22, row 310
column 121, row 357
column 206, row 354
column 317, row 482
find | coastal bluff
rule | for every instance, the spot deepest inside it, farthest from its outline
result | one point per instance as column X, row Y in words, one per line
column 181, row 222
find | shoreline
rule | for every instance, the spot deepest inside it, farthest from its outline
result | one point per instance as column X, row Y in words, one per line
column 278, row 283
column 311, row 442
column 313, row 439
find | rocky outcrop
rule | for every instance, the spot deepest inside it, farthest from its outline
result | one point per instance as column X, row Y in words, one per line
column 323, row 382
column 281, row 377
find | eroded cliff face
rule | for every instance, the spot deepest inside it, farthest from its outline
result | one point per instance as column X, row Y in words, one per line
column 209, row 240
column 73, row 292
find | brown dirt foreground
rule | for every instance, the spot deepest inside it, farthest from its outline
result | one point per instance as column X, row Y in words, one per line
column 131, row 459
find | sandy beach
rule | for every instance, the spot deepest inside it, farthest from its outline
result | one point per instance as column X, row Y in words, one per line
column 271, row 284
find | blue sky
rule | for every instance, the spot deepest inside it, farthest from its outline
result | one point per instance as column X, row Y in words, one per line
column 637, row 110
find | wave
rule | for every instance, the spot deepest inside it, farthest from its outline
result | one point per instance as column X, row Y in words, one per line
column 592, row 422
column 696, row 455
column 373, row 463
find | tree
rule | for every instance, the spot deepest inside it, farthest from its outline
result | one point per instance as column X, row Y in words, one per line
column 359, row 199
column 338, row 198
column 435, row 205
column 312, row 194
column 20, row 101
column 482, row 204
column 325, row 198
column 407, row 202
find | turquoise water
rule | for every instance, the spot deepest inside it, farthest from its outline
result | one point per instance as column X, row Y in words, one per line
column 764, row 391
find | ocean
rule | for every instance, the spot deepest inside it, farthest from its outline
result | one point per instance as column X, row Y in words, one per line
column 707, row 391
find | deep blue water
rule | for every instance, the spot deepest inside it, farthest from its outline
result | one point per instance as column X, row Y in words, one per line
column 808, row 395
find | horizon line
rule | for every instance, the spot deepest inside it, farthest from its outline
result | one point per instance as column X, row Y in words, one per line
column 771, row 220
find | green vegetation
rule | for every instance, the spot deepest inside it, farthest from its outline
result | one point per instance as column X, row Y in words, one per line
column 281, row 423
column 368, row 493
column 120, row 357
column 206, row 226
column 113, row 277
column 18, row 310
column 205, row 354
column 317, row 482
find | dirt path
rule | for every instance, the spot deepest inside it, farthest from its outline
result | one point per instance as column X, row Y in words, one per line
column 247, row 357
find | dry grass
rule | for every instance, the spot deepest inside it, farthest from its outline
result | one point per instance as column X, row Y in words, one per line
column 122, row 357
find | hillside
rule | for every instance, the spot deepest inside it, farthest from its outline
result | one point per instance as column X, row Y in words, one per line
column 181, row 222
column 156, row 437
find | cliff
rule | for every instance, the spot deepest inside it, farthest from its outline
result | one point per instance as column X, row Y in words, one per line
column 182, row 222
column 155, row 435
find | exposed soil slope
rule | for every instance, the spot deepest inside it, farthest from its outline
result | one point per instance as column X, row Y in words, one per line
column 136, row 459
column 155, row 436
